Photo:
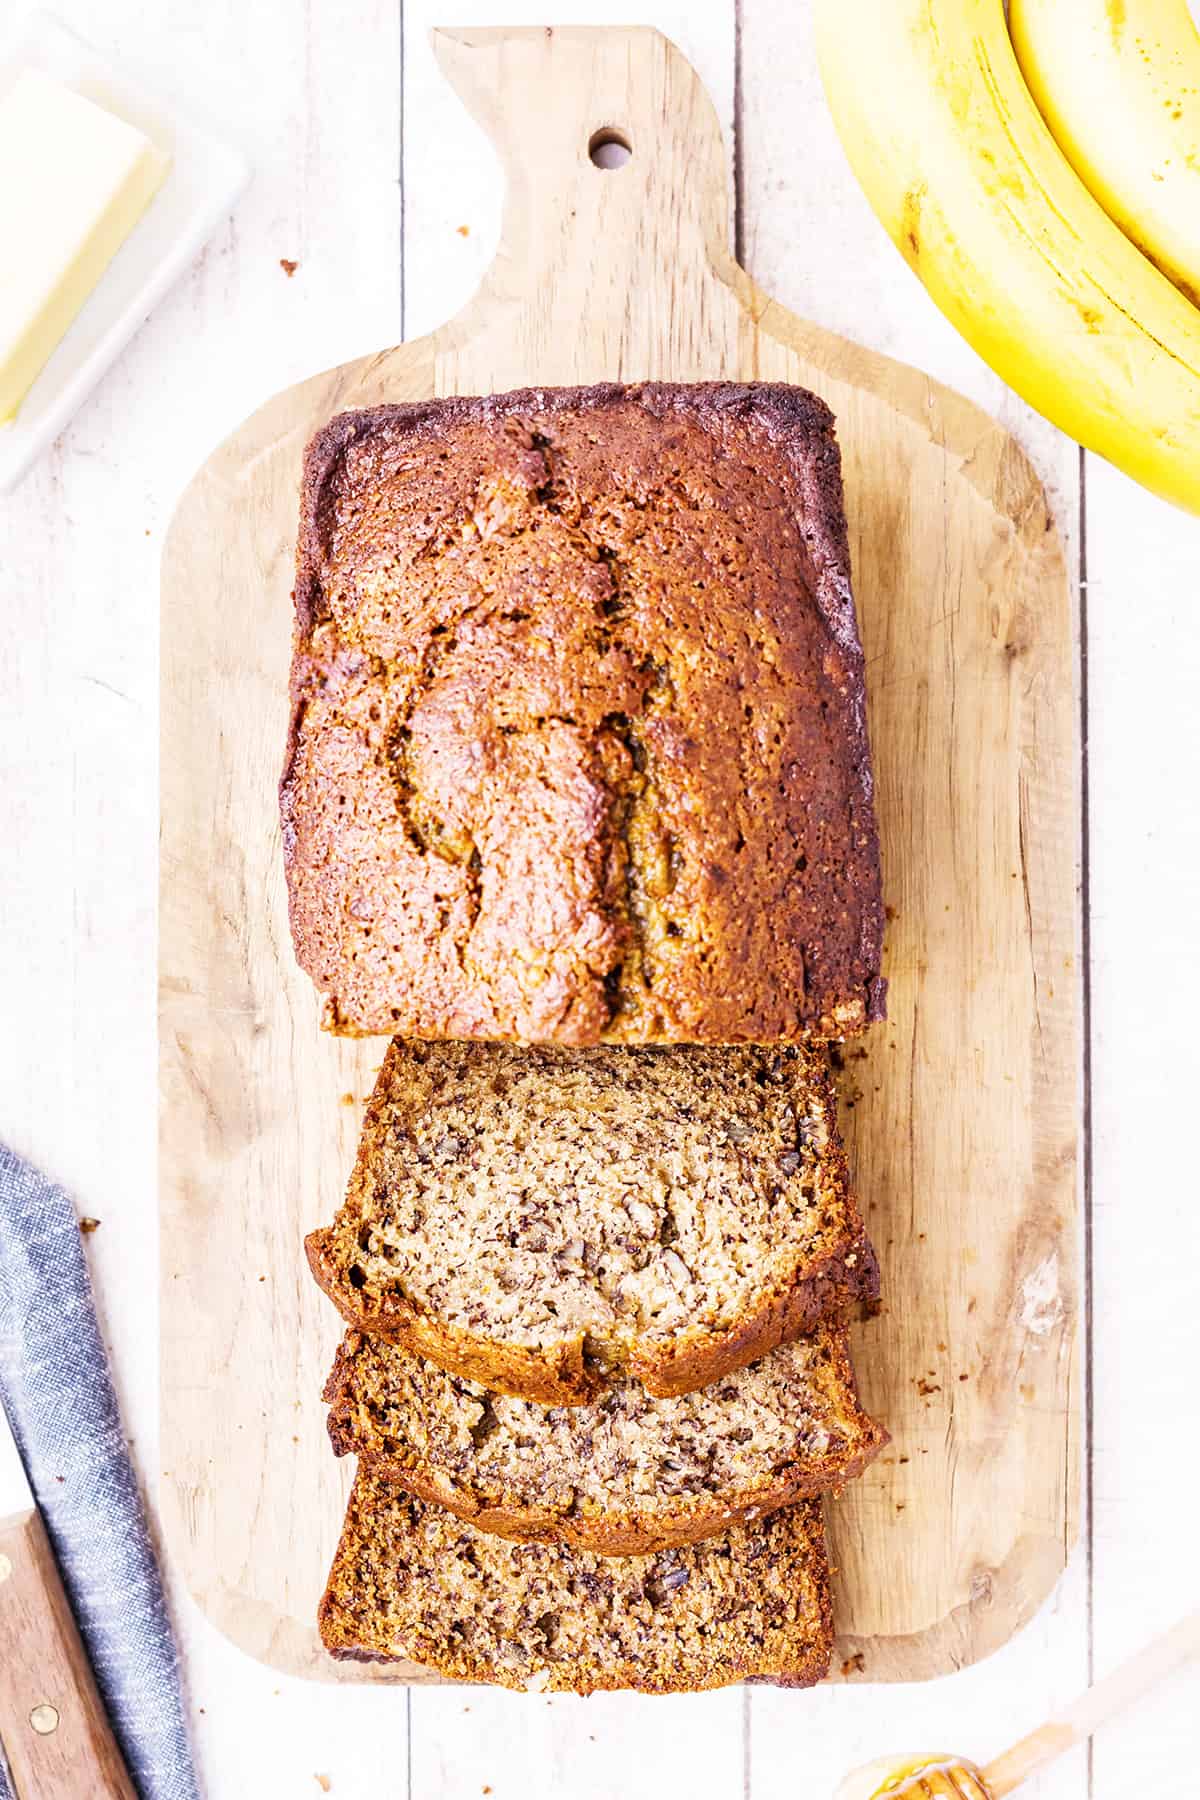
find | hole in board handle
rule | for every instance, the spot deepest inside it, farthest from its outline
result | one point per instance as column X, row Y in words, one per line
column 609, row 148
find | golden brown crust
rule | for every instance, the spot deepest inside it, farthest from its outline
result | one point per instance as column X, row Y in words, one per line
column 561, row 1375
column 574, row 1519
column 838, row 1270
column 556, row 1375
column 616, row 1537
column 752, row 1605
column 846, row 1276
column 810, row 1667
column 578, row 746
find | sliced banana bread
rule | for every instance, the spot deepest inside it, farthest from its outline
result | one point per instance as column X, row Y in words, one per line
column 545, row 1220
column 413, row 1581
column 578, row 748
column 627, row 1474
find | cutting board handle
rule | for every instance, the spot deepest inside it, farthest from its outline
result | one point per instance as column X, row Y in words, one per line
column 548, row 97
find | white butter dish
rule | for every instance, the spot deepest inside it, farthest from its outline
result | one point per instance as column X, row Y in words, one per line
column 205, row 178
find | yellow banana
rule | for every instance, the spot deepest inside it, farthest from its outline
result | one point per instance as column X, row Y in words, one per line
column 1119, row 86
column 962, row 171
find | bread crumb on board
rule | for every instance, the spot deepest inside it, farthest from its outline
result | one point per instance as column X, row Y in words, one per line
column 87, row 1225
column 323, row 1782
column 854, row 1665
column 288, row 265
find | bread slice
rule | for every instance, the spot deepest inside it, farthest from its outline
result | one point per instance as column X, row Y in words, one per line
column 545, row 1221
column 625, row 1475
column 578, row 747
column 412, row 1581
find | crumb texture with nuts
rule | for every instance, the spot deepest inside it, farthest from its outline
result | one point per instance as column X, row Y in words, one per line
column 413, row 1581
column 628, row 1473
column 544, row 1220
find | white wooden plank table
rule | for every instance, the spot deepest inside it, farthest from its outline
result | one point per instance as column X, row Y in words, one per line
column 366, row 171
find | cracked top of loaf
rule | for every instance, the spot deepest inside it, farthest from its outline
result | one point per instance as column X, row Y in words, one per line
column 578, row 746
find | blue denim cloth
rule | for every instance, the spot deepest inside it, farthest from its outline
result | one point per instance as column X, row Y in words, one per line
column 57, row 1391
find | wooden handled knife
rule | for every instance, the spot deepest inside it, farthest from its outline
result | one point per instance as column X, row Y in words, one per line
column 56, row 1739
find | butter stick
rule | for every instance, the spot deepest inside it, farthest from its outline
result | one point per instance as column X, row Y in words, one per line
column 74, row 181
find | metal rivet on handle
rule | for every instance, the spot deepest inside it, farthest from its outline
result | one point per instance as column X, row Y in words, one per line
column 44, row 1719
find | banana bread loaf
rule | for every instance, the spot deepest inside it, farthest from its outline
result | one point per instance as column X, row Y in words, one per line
column 578, row 748
column 625, row 1475
column 544, row 1220
column 411, row 1580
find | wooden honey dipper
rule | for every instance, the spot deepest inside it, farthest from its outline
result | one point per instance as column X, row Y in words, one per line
column 936, row 1776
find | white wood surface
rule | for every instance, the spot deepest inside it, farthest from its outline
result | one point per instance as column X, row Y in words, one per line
column 314, row 94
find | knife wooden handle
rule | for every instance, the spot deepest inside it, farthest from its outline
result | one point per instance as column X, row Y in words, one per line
column 53, row 1726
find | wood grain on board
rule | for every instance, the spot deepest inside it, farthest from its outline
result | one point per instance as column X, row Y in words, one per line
column 963, row 1111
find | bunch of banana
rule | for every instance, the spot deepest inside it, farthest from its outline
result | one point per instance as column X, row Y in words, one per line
column 966, row 176
column 1118, row 83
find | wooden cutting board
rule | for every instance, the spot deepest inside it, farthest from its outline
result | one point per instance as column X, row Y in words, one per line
column 963, row 1111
